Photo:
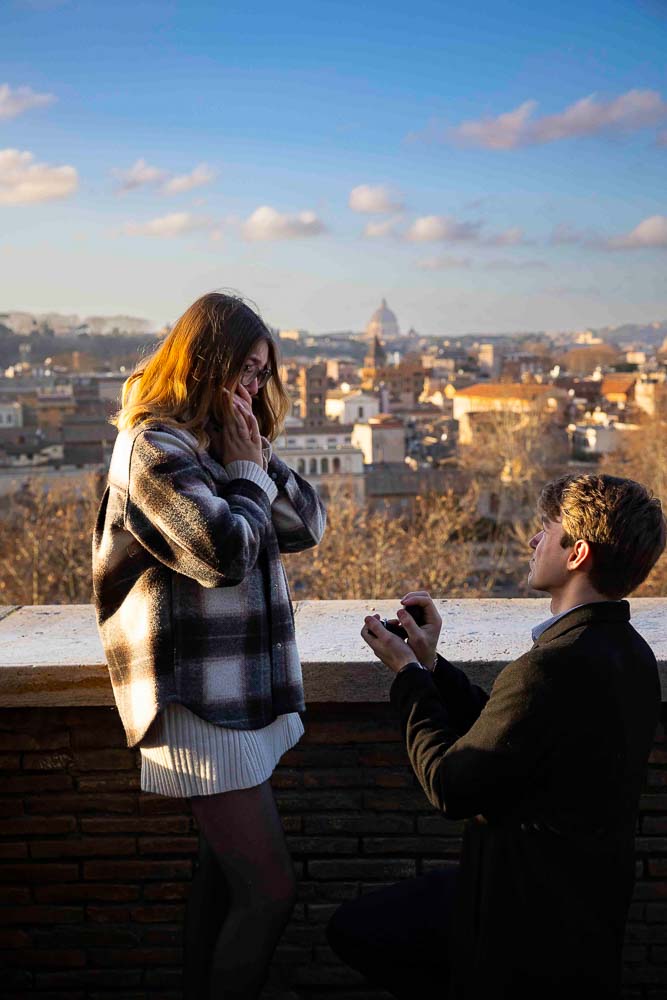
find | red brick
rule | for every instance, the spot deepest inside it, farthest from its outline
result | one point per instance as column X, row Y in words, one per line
column 88, row 936
column 654, row 825
column 358, row 731
column 38, row 873
column 408, row 800
column 56, row 740
column 119, row 870
column 114, row 979
column 336, row 777
column 14, row 938
column 76, row 804
column 53, row 761
column 291, row 824
column 136, row 824
column 105, row 760
column 10, row 761
column 385, row 755
column 32, row 958
column 126, row 781
column 81, row 892
column 157, row 914
column 37, row 825
column 110, row 735
column 323, row 845
column 84, row 847
column 11, row 807
column 14, row 894
column 166, row 891
column 168, row 845
column 34, row 914
column 135, row 957
column 286, row 778
column 108, row 914
column 164, row 935
column 319, row 756
column 13, row 851
column 361, row 822
column 296, row 801
column 411, row 845
column 31, row 784
column 157, row 805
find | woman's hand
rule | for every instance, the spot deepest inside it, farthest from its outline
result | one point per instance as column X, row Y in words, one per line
column 238, row 439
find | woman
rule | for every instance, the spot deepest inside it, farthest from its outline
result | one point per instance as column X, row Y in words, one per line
column 196, row 619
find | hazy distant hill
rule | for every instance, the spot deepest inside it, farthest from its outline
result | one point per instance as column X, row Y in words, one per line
column 25, row 323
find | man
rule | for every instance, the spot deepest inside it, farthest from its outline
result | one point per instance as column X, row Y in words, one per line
column 547, row 772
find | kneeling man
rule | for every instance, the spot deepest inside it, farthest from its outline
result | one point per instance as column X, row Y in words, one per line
column 547, row 772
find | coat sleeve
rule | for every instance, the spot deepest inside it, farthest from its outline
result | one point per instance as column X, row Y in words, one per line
column 299, row 517
column 172, row 510
column 464, row 700
column 489, row 768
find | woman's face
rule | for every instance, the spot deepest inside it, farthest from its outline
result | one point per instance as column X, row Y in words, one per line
column 254, row 368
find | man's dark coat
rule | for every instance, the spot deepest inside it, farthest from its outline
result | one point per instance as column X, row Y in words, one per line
column 548, row 771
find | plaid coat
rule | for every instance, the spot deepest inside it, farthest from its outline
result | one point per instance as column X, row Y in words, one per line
column 191, row 595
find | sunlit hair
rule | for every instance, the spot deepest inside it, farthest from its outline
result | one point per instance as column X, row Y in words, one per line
column 182, row 381
column 622, row 522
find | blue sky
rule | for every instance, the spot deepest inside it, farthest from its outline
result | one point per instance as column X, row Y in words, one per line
column 486, row 167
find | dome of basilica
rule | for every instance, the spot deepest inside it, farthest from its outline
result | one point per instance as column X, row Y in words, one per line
column 383, row 324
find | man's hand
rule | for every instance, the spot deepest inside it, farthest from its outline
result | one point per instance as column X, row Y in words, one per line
column 422, row 640
column 393, row 651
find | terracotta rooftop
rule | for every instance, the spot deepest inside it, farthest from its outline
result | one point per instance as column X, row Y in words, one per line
column 621, row 382
column 508, row 390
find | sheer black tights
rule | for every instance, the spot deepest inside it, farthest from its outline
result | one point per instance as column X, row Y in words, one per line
column 242, row 895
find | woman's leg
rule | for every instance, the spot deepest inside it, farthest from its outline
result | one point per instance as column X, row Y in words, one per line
column 205, row 912
column 245, row 835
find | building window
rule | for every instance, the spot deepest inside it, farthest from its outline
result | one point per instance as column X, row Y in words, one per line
column 336, row 464
column 313, row 467
column 324, row 466
column 301, row 466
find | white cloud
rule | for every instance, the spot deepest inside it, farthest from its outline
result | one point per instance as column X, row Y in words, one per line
column 511, row 237
column 630, row 111
column 435, row 228
column 441, row 263
column 383, row 229
column 374, row 199
column 24, row 182
column 138, row 175
column 201, row 174
column 266, row 223
column 16, row 102
column 502, row 264
column 175, row 224
column 651, row 232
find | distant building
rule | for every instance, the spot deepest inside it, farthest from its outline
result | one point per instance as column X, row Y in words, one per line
column 383, row 324
column 353, row 407
column 312, row 384
column 510, row 397
column 381, row 440
column 325, row 456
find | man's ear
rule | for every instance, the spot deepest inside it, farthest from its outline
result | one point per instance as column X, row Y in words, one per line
column 580, row 556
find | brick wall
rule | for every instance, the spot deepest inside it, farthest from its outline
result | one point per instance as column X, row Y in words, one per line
column 93, row 874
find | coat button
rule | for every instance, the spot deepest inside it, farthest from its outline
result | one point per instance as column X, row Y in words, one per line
column 279, row 645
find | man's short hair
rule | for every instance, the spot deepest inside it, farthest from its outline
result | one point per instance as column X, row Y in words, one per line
column 622, row 522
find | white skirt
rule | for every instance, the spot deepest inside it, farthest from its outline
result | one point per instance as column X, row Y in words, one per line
column 183, row 755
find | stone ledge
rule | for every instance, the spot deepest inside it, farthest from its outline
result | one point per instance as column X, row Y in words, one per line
column 50, row 655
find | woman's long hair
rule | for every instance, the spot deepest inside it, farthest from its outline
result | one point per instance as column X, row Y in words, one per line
column 182, row 380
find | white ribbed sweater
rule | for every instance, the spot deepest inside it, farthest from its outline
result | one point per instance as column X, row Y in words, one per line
column 182, row 755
